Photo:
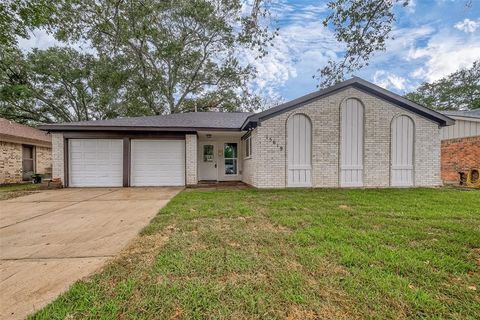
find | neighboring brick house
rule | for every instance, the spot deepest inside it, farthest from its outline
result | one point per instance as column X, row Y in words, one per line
column 23, row 151
column 460, row 145
column 353, row 134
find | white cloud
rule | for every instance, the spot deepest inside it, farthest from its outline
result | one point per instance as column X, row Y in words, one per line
column 389, row 80
column 38, row 39
column 467, row 25
column 404, row 39
column 443, row 55
column 301, row 47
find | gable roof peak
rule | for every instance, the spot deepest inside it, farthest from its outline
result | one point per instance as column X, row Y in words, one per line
column 360, row 84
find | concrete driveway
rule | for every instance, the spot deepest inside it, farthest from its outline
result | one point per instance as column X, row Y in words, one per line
column 50, row 239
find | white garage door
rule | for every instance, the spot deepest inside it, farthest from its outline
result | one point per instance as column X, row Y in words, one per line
column 96, row 162
column 158, row 163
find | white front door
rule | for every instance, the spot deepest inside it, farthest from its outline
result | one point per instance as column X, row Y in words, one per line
column 158, row 163
column 299, row 146
column 207, row 161
column 95, row 162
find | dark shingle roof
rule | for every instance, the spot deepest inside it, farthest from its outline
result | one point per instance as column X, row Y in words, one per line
column 176, row 121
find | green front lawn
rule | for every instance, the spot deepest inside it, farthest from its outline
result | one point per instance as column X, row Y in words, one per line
column 297, row 254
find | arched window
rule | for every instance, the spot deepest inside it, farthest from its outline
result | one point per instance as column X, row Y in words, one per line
column 351, row 143
column 402, row 165
column 299, row 147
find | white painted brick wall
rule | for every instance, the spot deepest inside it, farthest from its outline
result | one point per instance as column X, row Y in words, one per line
column 191, row 159
column 57, row 157
column 249, row 165
column 270, row 149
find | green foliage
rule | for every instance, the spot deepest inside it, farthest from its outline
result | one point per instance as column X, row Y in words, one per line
column 179, row 55
column 363, row 26
column 17, row 17
column 149, row 57
column 59, row 85
column 457, row 91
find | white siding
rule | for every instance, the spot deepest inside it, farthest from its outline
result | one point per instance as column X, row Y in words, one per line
column 402, row 151
column 461, row 129
column 299, row 131
column 351, row 149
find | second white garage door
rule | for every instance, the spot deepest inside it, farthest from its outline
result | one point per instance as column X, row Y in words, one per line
column 158, row 163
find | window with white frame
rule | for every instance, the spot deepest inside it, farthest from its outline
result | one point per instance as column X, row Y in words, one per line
column 230, row 157
column 248, row 147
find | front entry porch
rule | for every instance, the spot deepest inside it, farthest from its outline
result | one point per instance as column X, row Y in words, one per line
column 219, row 156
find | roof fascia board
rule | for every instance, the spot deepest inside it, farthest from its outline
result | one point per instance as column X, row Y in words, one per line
column 406, row 106
column 301, row 101
column 23, row 140
column 403, row 102
column 53, row 128
column 359, row 84
column 465, row 118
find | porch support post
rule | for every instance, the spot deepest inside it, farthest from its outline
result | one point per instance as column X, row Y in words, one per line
column 191, row 159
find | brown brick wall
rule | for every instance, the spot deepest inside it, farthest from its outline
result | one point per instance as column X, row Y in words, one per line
column 459, row 155
column 10, row 162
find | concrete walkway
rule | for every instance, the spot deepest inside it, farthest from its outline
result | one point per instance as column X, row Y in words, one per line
column 50, row 239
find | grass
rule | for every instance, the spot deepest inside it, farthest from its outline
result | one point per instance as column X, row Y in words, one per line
column 296, row 254
column 9, row 191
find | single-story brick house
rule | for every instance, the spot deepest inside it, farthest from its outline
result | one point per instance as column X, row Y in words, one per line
column 23, row 151
column 460, row 146
column 352, row 134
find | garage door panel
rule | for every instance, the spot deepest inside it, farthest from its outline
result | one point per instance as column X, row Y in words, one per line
column 96, row 162
column 158, row 163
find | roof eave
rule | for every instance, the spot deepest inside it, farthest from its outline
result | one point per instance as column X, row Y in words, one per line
column 25, row 140
column 63, row 128
column 466, row 118
column 357, row 83
column 404, row 103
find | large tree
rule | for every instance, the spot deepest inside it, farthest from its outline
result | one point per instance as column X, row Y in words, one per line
column 174, row 56
column 60, row 85
column 180, row 54
column 457, row 91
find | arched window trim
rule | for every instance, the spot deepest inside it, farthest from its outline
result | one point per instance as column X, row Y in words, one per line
column 341, row 106
column 395, row 117
column 288, row 146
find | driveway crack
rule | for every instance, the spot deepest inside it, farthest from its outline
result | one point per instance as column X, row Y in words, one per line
column 57, row 258
column 39, row 215
column 72, row 203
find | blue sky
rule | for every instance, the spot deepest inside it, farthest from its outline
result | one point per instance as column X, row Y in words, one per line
column 432, row 39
